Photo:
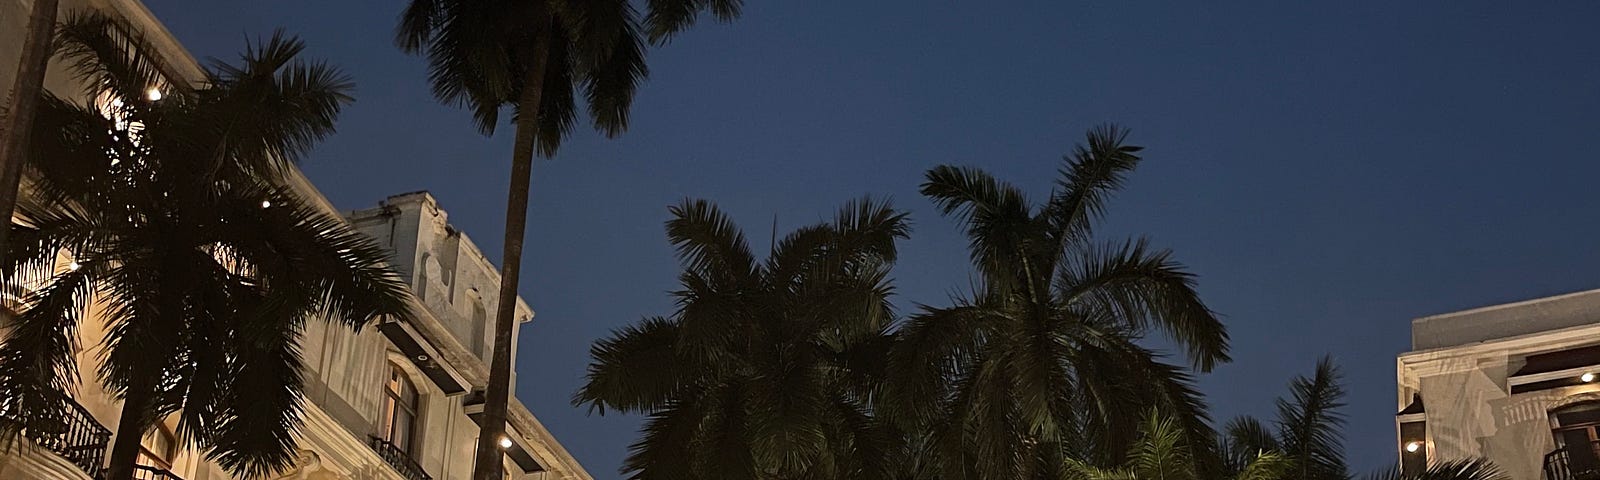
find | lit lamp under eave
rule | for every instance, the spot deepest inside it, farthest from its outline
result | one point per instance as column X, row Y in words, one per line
column 1587, row 377
column 154, row 94
column 1413, row 446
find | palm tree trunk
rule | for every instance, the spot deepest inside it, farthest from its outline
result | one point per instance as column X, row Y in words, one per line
column 498, row 393
column 133, row 422
column 24, row 100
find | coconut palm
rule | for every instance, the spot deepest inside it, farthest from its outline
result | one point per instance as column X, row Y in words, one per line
column 1307, row 430
column 202, row 263
column 536, row 57
column 17, row 122
column 1163, row 453
column 1043, row 363
column 766, row 367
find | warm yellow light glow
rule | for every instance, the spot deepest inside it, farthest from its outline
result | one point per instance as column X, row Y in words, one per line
column 505, row 442
column 1412, row 447
column 1587, row 377
column 266, row 204
column 154, row 94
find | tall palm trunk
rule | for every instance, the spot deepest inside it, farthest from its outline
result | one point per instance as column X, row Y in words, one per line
column 498, row 393
column 24, row 100
column 133, row 422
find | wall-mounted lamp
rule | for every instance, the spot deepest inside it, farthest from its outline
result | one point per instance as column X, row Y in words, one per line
column 1587, row 377
column 1413, row 446
column 505, row 442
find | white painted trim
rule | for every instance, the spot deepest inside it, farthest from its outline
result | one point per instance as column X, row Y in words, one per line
column 1556, row 375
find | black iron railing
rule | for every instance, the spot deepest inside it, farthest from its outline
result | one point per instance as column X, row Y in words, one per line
column 399, row 459
column 1573, row 462
column 142, row 472
column 71, row 433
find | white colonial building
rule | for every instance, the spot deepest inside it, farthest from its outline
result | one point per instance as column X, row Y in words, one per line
column 398, row 401
column 1514, row 383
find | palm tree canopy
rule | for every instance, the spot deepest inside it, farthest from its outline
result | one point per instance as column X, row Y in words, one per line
column 479, row 53
column 1163, row 453
column 176, row 219
column 1033, row 368
column 766, row 367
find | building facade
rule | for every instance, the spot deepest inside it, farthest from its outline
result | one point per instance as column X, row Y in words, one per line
column 396, row 401
column 1514, row 383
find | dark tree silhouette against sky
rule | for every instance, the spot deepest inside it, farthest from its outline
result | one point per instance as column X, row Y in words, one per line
column 1329, row 170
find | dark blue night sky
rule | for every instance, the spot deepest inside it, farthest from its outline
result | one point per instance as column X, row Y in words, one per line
column 1330, row 169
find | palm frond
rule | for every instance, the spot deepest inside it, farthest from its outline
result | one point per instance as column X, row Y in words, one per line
column 633, row 370
column 1146, row 289
column 1309, row 423
column 271, row 107
column 998, row 218
column 1243, row 440
column 1470, row 469
column 1092, row 173
column 107, row 53
column 668, row 17
column 709, row 243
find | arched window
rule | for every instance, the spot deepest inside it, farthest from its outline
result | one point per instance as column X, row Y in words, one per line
column 422, row 277
column 399, row 422
column 480, row 324
column 157, row 448
column 1577, row 431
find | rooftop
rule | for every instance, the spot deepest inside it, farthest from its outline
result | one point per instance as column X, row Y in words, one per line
column 1506, row 320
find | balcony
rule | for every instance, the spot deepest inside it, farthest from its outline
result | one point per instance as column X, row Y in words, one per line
column 1573, row 462
column 74, row 434
column 142, row 472
column 398, row 459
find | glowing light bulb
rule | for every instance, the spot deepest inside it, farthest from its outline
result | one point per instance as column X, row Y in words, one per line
column 1587, row 377
column 154, row 94
column 74, row 266
column 266, row 204
column 505, row 442
column 1412, row 447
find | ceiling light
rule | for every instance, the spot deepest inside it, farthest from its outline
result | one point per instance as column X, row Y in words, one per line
column 505, row 442
column 1413, row 446
column 1586, row 377
column 154, row 94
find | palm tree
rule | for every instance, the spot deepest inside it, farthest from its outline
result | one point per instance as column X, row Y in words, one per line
column 1162, row 453
column 532, row 56
column 766, row 369
column 1046, row 351
column 17, row 123
column 205, row 264
column 1307, row 428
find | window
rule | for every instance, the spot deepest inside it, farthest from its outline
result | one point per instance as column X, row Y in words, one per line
column 1577, row 431
column 480, row 324
column 157, row 448
column 399, row 421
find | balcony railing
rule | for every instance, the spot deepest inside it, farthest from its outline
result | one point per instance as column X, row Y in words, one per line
column 1573, row 462
column 74, row 434
column 142, row 472
column 398, row 459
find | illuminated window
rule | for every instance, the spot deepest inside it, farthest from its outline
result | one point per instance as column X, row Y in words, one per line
column 157, row 448
column 399, row 422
